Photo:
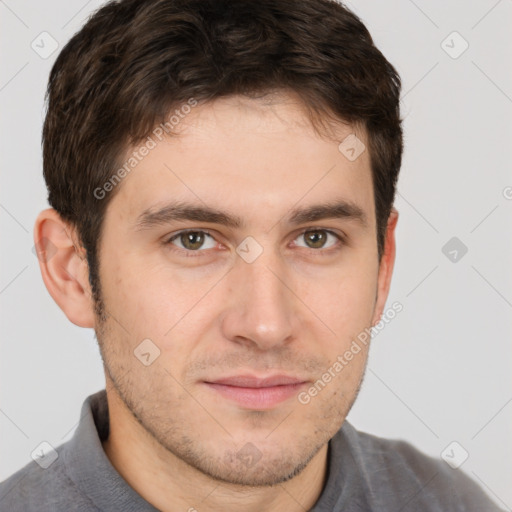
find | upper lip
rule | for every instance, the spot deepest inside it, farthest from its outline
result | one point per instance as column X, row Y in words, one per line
column 250, row 381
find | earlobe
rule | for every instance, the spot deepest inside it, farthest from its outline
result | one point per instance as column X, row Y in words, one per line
column 386, row 266
column 64, row 267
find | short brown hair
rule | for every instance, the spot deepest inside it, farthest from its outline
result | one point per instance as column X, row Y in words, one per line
column 134, row 61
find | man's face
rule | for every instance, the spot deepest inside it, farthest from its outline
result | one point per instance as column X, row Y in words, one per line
column 261, row 299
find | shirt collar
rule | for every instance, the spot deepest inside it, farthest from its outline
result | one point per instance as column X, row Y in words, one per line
column 89, row 467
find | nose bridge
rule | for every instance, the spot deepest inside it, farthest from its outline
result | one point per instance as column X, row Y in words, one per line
column 261, row 309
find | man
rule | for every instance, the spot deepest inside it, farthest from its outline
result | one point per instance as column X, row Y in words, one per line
column 222, row 175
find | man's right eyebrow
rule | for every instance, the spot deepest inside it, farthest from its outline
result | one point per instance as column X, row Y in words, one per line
column 185, row 211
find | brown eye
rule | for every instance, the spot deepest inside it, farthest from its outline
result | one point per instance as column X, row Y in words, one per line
column 317, row 238
column 191, row 240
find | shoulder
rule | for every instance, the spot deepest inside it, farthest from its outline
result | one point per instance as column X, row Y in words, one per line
column 395, row 472
column 34, row 488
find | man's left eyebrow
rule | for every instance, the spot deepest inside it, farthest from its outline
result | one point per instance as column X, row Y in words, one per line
column 340, row 209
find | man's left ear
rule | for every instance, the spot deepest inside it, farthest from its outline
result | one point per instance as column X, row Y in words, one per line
column 386, row 266
column 64, row 267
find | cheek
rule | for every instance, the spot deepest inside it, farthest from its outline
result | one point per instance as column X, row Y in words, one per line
column 344, row 300
column 135, row 298
column 163, row 307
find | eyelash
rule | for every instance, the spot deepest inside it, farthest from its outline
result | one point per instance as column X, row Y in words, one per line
column 194, row 254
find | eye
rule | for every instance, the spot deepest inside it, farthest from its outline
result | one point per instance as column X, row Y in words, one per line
column 191, row 241
column 316, row 238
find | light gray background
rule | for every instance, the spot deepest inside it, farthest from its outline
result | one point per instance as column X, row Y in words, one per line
column 440, row 371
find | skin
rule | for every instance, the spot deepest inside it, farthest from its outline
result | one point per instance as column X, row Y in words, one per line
column 293, row 310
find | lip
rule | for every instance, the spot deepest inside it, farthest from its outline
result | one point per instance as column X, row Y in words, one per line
column 257, row 392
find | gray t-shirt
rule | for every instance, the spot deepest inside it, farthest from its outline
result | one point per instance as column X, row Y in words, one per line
column 365, row 473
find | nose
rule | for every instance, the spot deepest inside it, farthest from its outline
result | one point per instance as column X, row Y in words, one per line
column 261, row 308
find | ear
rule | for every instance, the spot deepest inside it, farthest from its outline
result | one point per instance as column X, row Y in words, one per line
column 64, row 267
column 386, row 266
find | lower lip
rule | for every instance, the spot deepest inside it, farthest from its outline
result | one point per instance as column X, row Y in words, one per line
column 257, row 398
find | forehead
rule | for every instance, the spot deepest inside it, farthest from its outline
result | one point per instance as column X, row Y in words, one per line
column 252, row 156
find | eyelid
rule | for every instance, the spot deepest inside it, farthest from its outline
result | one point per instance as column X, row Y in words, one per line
column 333, row 231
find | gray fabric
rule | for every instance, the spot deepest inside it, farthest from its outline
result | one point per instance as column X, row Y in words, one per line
column 365, row 473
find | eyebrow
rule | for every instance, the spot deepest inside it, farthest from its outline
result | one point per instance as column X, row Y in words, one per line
column 179, row 211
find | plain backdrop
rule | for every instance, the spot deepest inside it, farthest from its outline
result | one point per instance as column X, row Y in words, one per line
column 440, row 371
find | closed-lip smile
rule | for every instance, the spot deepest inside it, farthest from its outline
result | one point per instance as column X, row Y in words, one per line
column 255, row 392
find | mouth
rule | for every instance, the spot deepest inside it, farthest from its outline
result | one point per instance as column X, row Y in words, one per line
column 257, row 392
